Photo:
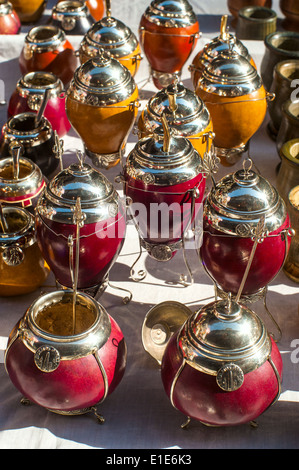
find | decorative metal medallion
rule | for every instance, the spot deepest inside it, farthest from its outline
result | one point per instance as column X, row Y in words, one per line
column 47, row 358
column 230, row 377
column 13, row 256
column 148, row 178
column 34, row 101
column 113, row 209
column 68, row 24
column 244, row 230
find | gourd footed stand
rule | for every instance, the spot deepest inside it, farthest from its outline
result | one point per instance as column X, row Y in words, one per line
column 221, row 367
column 66, row 354
column 168, row 33
column 101, row 237
column 232, row 90
column 163, row 171
column 231, row 213
column 101, row 105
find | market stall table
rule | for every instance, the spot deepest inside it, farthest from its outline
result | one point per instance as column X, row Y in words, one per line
column 138, row 413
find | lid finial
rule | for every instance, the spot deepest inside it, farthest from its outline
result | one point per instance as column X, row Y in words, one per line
column 108, row 8
column 223, row 28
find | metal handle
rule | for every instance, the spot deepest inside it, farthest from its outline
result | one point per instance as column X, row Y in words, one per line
column 258, row 238
column 15, row 150
column 223, row 28
column 58, row 148
column 270, row 96
column 166, row 130
column 78, row 219
column 42, row 107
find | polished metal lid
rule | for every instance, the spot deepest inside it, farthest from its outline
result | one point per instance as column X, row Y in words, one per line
column 186, row 113
column 160, row 323
column 222, row 43
column 239, row 200
column 164, row 159
column 230, row 74
column 98, row 197
column 225, row 339
column 109, row 34
column 171, row 13
column 101, row 81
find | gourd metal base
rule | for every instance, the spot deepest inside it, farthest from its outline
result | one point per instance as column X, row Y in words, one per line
column 186, row 424
column 163, row 79
column 26, row 402
column 231, row 156
column 105, row 161
column 161, row 253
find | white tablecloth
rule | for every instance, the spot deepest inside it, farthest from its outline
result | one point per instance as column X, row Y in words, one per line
column 138, row 413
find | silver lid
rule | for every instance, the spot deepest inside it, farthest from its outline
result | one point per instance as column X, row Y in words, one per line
column 28, row 181
column 218, row 45
column 45, row 37
column 99, row 199
column 230, row 74
column 101, row 81
column 225, row 339
column 222, row 43
column 163, row 159
column 109, row 34
column 186, row 113
column 239, row 200
column 171, row 13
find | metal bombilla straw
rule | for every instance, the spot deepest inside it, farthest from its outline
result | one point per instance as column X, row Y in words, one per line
column 16, row 152
column 79, row 221
column 258, row 238
column 42, row 108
